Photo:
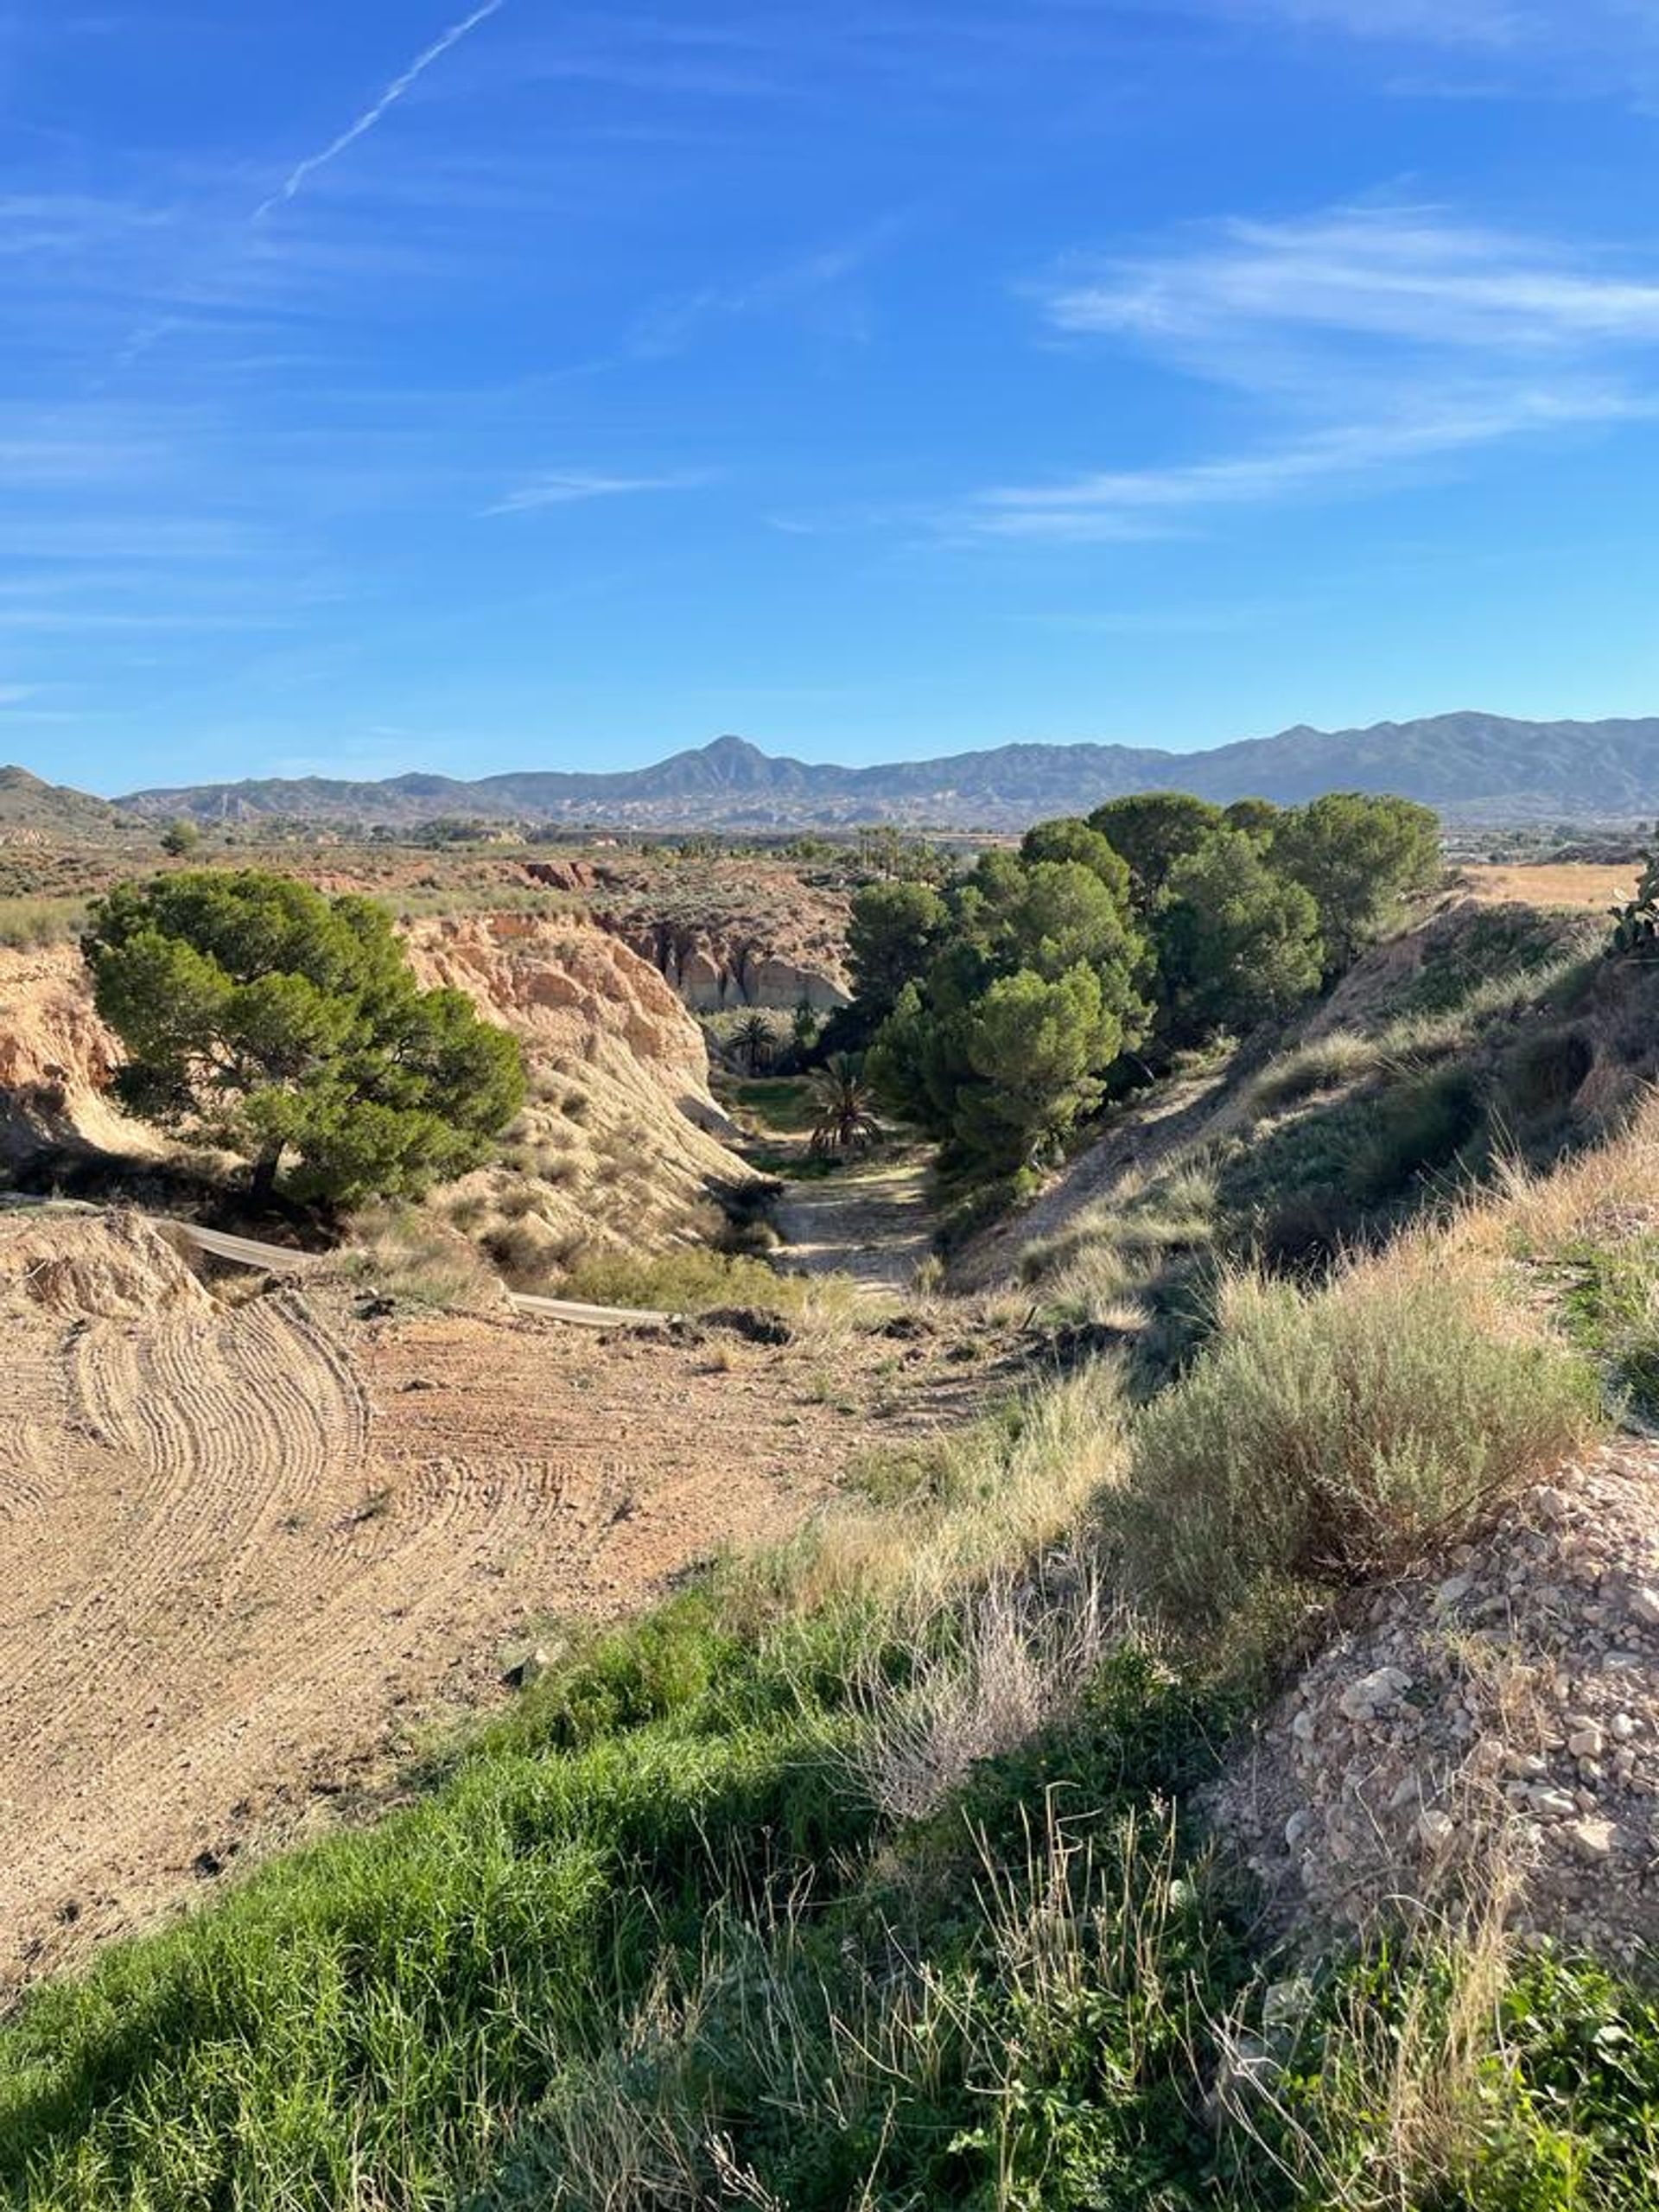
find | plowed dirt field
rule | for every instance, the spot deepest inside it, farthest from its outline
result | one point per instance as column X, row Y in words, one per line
column 246, row 1548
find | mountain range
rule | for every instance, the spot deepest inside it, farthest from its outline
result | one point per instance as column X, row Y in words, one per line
column 1468, row 764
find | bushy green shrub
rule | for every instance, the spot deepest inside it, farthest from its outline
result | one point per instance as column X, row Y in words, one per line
column 1415, row 1128
column 1325, row 1437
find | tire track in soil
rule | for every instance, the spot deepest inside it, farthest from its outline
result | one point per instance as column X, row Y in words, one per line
column 241, row 1546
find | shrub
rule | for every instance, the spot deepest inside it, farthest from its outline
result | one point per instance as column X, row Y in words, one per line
column 1324, row 1438
column 1413, row 1130
column 402, row 1251
column 522, row 1250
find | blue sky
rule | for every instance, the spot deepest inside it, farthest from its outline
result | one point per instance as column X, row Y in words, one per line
column 385, row 386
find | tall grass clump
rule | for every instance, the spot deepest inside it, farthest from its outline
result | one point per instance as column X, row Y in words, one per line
column 987, row 1498
column 1328, row 1063
column 1449, row 2070
column 1331, row 1435
column 29, row 924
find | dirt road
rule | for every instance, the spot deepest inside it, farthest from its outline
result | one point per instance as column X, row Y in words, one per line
column 870, row 1220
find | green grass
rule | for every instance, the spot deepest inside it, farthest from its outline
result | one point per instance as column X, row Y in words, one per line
column 1333, row 1062
column 368, row 2016
column 645, row 1946
column 781, row 1105
column 1609, row 1297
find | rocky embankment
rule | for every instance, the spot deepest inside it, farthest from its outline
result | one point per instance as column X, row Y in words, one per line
column 570, row 992
column 56, row 1057
column 713, row 968
column 761, row 936
column 1495, row 1720
column 620, row 1069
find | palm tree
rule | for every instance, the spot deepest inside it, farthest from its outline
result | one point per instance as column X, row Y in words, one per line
column 841, row 1098
column 752, row 1040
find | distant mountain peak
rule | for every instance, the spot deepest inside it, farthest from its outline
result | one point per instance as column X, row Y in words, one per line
column 1467, row 762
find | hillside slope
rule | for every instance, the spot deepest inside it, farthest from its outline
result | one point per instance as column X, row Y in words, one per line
column 30, row 808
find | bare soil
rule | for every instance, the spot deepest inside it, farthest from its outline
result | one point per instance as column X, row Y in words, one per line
column 870, row 1219
column 251, row 1550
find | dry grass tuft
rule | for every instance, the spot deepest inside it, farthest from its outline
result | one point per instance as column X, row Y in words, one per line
column 1023, row 1654
column 407, row 1253
column 1399, row 2109
column 1328, row 1436
column 1003, row 1492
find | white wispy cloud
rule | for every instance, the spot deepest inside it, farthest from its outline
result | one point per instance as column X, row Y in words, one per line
column 1141, row 503
column 1395, row 273
column 1370, row 341
column 567, row 486
column 297, row 178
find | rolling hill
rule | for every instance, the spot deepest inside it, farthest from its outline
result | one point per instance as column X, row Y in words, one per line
column 1470, row 765
column 49, row 809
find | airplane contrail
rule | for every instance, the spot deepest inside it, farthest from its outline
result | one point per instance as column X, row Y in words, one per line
column 370, row 115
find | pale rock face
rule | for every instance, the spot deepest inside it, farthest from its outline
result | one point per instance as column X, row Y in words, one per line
column 567, row 986
column 587, row 1008
column 713, row 969
column 56, row 1059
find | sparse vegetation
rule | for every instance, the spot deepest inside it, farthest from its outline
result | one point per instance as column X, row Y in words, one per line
column 27, row 923
column 400, row 1251
column 873, row 1870
column 692, row 1279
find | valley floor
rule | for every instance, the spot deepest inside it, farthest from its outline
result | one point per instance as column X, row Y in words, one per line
column 251, row 1548
column 870, row 1220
